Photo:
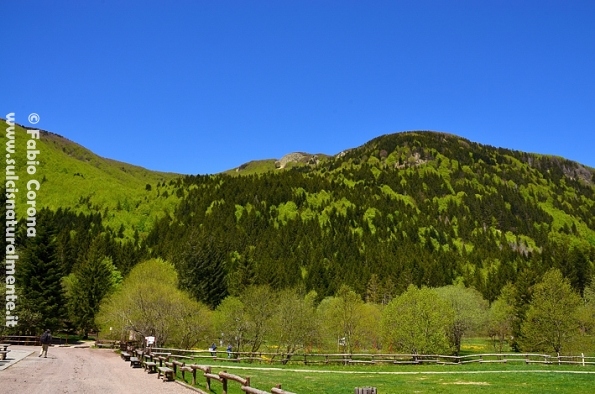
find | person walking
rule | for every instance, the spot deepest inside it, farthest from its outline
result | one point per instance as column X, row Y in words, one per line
column 46, row 340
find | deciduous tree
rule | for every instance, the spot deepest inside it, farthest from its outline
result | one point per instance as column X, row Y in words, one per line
column 551, row 320
column 417, row 322
column 149, row 304
column 470, row 311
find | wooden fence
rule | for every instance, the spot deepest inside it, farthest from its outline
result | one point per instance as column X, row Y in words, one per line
column 21, row 340
column 224, row 377
column 30, row 340
column 378, row 358
column 205, row 371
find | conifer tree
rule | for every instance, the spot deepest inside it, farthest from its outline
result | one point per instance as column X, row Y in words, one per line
column 94, row 278
column 39, row 273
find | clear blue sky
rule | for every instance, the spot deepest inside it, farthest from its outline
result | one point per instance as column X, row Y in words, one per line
column 204, row 86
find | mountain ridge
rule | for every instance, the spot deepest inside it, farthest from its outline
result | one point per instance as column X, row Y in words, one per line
column 423, row 208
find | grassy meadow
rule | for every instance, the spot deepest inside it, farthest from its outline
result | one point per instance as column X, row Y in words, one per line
column 484, row 378
column 511, row 377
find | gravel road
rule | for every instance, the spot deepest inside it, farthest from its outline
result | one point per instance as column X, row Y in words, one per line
column 81, row 371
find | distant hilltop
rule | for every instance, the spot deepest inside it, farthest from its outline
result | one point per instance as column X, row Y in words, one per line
column 296, row 157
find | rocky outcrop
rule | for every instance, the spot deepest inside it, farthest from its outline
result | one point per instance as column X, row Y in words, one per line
column 297, row 157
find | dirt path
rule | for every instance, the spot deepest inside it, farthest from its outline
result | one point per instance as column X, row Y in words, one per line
column 84, row 371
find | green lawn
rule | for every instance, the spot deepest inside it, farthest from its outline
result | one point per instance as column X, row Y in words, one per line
column 487, row 378
column 511, row 377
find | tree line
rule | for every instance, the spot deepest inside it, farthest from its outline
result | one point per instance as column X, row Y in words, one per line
column 419, row 321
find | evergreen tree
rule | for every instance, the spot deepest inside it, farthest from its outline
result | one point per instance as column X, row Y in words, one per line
column 202, row 269
column 39, row 273
column 94, row 278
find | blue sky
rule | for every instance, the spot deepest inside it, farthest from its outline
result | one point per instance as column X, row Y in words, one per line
column 204, row 86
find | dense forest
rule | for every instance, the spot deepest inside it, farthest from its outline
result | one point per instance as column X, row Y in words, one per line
column 409, row 208
column 422, row 208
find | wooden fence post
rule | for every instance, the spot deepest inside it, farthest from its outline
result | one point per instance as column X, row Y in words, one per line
column 208, row 379
column 224, row 381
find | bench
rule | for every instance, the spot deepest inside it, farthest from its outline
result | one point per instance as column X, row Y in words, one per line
column 125, row 356
column 135, row 362
column 168, row 373
column 150, row 366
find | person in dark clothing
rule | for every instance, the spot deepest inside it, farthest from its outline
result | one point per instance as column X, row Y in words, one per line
column 45, row 340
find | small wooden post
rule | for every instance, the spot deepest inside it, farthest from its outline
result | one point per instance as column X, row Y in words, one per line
column 583, row 357
column 224, row 381
column 209, row 379
column 193, row 377
column 247, row 381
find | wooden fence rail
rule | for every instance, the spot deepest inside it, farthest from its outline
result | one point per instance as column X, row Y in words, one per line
column 222, row 377
column 381, row 358
column 349, row 359
column 21, row 340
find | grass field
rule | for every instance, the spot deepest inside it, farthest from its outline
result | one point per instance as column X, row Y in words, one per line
column 484, row 378
column 510, row 377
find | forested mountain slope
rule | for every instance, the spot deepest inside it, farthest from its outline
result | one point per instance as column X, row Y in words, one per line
column 418, row 207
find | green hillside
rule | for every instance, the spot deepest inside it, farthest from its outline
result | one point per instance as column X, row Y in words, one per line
column 422, row 208
column 418, row 207
column 76, row 178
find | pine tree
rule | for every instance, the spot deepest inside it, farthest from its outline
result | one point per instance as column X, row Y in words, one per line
column 94, row 278
column 39, row 273
column 202, row 269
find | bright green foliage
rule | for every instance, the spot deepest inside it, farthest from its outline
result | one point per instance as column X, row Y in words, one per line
column 149, row 304
column 417, row 321
column 230, row 320
column 551, row 320
column 470, row 312
column 342, row 319
column 74, row 177
column 294, row 325
column 260, row 307
column 587, row 310
column 501, row 318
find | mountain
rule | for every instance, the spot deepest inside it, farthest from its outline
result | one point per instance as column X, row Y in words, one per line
column 73, row 177
column 415, row 207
